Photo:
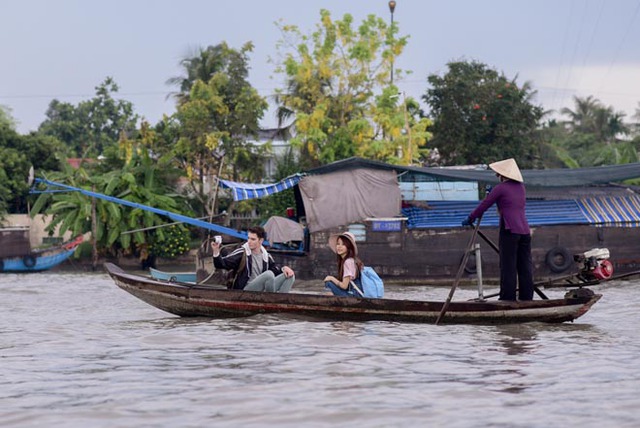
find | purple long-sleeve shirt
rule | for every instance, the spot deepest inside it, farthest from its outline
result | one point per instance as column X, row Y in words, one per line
column 510, row 196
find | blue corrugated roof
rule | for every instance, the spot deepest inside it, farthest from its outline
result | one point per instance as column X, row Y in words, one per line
column 610, row 211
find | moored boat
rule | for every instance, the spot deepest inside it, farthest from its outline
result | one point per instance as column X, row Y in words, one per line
column 173, row 276
column 218, row 302
column 17, row 255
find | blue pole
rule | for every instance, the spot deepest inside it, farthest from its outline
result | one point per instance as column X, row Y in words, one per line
column 173, row 216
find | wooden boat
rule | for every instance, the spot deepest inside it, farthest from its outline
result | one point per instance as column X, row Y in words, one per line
column 38, row 259
column 189, row 300
column 172, row 276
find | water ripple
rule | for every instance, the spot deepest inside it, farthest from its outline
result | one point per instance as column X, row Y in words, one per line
column 76, row 351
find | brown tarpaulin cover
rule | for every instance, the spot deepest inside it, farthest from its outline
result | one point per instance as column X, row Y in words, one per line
column 348, row 196
column 280, row 229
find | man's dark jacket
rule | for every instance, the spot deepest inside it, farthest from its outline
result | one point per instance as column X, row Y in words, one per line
column 233, row 261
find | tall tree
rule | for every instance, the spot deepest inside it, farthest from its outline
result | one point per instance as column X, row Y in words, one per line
column 6, row 117
column 480, row 116
column 214, row 121
column 204, row 63
column 594, row 134
column 17, row 154
column 91, row 126
column 338, row 89
column 582, row 117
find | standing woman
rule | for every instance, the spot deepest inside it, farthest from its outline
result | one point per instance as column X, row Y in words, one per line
column 349, row 265
column 516, row 268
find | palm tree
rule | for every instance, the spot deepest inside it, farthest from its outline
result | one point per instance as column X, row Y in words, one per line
column 583, row 117
column 594, row 135
column 204, row 63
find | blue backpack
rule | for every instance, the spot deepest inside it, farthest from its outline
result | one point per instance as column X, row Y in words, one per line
column 370, row 283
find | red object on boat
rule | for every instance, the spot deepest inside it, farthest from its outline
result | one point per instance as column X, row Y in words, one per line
column 604, row 270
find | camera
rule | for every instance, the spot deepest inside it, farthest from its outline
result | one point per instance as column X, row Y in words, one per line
column 217, row 239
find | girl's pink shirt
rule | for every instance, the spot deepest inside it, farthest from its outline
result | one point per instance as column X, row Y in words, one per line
column 349, row 268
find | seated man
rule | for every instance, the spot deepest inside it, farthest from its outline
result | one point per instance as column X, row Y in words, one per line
column 254, row 267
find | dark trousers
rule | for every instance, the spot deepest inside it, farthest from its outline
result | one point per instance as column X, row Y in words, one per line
column 516, row 268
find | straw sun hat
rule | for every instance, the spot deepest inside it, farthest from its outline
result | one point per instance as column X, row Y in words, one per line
column 507, row 168
column 333, row 240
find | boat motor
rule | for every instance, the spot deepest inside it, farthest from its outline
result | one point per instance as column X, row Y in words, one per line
column 594, row 264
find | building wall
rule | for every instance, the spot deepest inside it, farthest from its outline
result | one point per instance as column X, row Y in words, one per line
column 439, row 191
column 37, row 227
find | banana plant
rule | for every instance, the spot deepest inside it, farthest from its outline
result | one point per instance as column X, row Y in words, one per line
column 119, row 229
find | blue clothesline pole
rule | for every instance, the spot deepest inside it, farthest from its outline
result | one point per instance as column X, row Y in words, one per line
column 173, row 216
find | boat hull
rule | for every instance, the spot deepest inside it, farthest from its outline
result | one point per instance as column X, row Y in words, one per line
column 40, row 260
column 436, row 253
column 205, row 301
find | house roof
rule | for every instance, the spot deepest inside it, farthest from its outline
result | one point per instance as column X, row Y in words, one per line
column 564, row 177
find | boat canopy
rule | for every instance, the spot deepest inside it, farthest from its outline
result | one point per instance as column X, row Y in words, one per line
column 243, row 191
column 598, row 211
column 348, row 196
column 562, row 177
column 282, row 230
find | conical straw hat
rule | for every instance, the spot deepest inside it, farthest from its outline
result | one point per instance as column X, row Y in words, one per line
column 507, row 168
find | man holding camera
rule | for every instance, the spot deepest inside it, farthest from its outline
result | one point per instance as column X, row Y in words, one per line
column 254, row 267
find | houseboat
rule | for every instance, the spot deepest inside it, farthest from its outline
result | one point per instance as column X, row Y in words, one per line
column 407, row 220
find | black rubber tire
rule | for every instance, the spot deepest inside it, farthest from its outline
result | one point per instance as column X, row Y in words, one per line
column 470, row 266
column 29, row 261
column 1, row 265
column 558, row 259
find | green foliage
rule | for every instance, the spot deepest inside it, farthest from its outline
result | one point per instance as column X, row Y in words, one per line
column 481, row 116
column 278, row 203
column 17, row 154
column 590, row 137
column 93, row 125
column 119, row 229
column 338, row 90
column 218, row 110
column 170, row 242
column 6, row 118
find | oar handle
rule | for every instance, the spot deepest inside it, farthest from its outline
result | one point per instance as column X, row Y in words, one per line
column 463, row 263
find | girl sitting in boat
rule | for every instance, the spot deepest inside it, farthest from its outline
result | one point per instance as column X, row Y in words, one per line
column 349, row 265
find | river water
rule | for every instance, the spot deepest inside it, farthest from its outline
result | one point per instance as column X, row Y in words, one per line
column 76, row 351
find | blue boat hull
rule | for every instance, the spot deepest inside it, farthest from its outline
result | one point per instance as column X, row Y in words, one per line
column 35, row 263
column 173, row 276
column 39, row 260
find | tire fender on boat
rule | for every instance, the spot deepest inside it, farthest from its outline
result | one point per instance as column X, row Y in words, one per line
column 1, row 265
column 29, row 261
column 470, row 266
column 558, row 259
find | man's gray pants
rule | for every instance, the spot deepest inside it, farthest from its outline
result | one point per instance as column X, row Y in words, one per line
column 267, row 281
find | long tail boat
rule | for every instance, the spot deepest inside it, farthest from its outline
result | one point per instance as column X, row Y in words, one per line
column 191, row 300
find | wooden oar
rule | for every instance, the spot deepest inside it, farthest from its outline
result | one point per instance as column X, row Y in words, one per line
column 463, row 263
column 495, row 247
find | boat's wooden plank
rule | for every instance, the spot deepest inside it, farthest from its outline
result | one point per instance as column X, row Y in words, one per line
column 185, row 300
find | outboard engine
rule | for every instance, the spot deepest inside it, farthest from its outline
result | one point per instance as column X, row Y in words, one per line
column 594, row 264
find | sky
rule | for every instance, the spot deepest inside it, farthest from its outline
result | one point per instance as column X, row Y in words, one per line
column 63, row 49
